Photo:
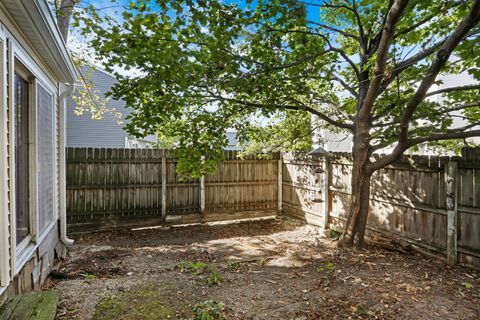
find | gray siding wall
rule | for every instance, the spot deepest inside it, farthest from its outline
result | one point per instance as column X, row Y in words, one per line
column 83, row 131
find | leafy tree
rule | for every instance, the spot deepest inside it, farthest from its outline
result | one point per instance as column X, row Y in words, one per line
column 87, row 98
column 286, row 131
column 362, row 66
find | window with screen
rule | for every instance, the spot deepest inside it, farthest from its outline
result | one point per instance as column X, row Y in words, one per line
column 46, row 159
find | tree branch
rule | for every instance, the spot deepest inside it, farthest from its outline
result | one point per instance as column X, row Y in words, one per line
column 346, row 85
column 331, row 47
column 461, row 107
column 424, row 20
column 361, row 30
column 320, row 114
column 407, row 63
column 393, row 17
column 344, row 56
column 467, row 24
column 376, row 40
column 451, row 89
column 353, row 9
column 444, row 136
column 345, row 34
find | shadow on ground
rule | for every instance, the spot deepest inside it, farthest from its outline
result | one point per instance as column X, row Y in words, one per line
column 275, row 269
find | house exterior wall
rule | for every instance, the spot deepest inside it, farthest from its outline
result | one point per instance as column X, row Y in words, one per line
column 83, row 131
column 24, row 269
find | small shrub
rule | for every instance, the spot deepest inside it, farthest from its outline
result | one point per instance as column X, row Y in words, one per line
column 235, row 266
column 214, row 278
column 467, row 285
column 209, row 310
column 328, row 268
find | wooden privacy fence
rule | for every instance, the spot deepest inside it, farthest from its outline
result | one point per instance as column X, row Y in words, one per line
column 112, row 188
column 304, row 185
column 433, row 202
column 430, row 201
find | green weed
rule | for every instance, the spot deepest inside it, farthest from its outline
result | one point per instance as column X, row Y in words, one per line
column 214, row 277
column 209, row 310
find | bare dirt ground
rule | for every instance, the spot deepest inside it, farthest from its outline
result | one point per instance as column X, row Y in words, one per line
column 271, row 269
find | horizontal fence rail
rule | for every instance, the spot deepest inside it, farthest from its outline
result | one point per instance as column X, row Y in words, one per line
column 433, row 202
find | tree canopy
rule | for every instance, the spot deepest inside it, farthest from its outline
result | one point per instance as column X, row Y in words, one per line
column 210, row 65
column 363, row 66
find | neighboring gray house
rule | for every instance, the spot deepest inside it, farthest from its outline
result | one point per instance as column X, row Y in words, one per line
column 83, row 131
column 232, row 141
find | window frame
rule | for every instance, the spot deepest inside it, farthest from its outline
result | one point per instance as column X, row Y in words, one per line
column 19, row 59
column 4, row 221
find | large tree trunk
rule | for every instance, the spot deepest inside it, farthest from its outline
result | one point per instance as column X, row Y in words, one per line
column 354, row 232
column 64, row 13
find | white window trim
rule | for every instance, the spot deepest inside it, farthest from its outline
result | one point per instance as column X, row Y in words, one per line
column 22, row 253
column 4, row 223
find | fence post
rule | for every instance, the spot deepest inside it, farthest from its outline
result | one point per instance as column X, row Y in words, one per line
column 164, row 189
column 451, row 206
column 280, row 185
column 202, row 195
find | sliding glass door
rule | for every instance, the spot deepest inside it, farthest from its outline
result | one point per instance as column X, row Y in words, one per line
column 22, row 153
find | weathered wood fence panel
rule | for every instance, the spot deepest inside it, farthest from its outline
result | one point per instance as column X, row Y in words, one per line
column 183, row 196
column 115, row 188
column 407, row 199
column 107, row 188
column 242, row 188
column 302, row 188
column 468, row 218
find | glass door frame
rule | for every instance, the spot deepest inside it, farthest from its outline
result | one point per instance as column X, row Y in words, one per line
column 22, row 71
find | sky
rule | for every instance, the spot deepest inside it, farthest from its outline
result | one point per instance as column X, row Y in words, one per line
column 79, row 44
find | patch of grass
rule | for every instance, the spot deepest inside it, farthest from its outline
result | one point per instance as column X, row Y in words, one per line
column 360, row 310
column 209, row 310
column 467, row 285
column 88, row 276
column 143, row 303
